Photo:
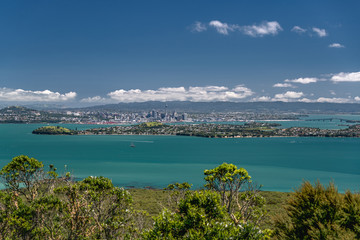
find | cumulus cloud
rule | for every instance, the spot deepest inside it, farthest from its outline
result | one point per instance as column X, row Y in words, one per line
column 20, row 95
column 284, row 85
column 198, row 27
column 336, row 45
column 298, row 30
column 320, row 32
column 289, row 94
column 96, row 99
column 265, row 28
column 302, row 80
column 255, row 30
column 261, row 99
column 333, row 100
column 346, row 77
column 194, row 94
column 222, row 28
column 305, row 100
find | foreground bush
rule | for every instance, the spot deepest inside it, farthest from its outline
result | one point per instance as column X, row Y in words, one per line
column 40, row 205
column 230, row 209
column 200, row 215
column 319, row 212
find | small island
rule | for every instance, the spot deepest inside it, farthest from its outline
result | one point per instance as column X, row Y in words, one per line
column 54, row 130
column 208, row 130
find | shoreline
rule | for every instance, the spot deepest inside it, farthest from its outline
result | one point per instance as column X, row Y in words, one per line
column 247, row 130
column 174, row 135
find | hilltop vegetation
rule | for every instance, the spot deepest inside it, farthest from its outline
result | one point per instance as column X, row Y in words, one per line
column 150, row 124
column 54, row 130
column 40, row 204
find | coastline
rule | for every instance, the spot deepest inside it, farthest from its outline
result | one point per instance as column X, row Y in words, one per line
column 247, row 130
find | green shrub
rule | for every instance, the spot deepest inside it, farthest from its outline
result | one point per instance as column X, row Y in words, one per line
column 319, row 212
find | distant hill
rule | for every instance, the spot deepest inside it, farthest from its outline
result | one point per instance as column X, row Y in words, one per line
column 206, row 107
column 18, row 110
column 19, row 114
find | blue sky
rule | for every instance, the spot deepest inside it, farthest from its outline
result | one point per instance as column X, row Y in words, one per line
column 95, row 52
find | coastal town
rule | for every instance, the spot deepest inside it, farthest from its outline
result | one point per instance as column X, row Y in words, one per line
column 208, row 130
column 18, row 114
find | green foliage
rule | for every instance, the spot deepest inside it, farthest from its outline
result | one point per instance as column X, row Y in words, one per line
column 178, row 192
column 22, row 176
column 222, row 212
column 178, row 186
column 239, row 195
column 150, row 124
column 351, row 213
column 201, row 215
column 94, row 208
column 40, row 205
column 228, row 180
column 319, row 212
column 54, row 130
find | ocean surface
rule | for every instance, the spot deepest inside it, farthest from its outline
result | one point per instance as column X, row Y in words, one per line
column 279, row 164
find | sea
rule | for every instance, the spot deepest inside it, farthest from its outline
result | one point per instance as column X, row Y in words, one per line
column 275, row 164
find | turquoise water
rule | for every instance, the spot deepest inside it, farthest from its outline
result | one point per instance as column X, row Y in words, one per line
column 276, row 163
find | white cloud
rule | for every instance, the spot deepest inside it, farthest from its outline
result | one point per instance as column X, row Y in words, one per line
column 306, row 100
column 298, row 30
column 96, row 99
column 222, row 28
column 289, row 94
column 336, row 45
column 320, row 32
column 302, row 80
column 260, row 30
column 333, row 100
column 265, row 28
column 282, row 98
column 261, row 99
column 284, row 85
column 194, row 94
column 208, row 88
column 20, row 95
column 198, row 27
column 346, row 77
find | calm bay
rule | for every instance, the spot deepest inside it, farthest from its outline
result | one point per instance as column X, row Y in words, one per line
column 279, row 164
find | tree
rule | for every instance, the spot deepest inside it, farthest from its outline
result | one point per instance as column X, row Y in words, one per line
column 26, row 199
column 40, row 205
column 95, row 208
column 319, row 212
column 222, row 212
column 178, row 192
column 200, row 215
column 228, row 180
column 238, row 194
column 22, row 176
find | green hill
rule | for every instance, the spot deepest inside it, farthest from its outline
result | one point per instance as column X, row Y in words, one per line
column 54, row 130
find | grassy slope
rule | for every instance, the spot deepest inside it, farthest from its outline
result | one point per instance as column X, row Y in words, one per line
column 153, row 200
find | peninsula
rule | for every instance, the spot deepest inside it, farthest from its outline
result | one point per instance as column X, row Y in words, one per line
column 209, row 130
